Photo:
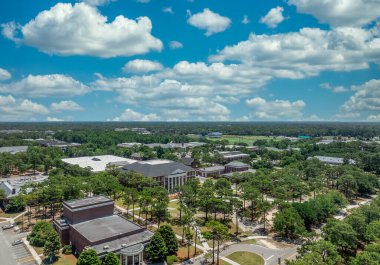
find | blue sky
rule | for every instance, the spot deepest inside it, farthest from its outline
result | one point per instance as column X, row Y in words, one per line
column 182, row 60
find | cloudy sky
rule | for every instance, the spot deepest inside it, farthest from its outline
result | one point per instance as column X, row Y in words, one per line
column 190, row 60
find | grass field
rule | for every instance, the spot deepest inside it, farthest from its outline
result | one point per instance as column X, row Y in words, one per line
column 233, row 139
column 9, row 215
column 246, row 258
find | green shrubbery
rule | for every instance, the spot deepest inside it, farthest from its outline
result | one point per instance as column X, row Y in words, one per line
column 67, row 249
column 171, row 259
column 40, row 233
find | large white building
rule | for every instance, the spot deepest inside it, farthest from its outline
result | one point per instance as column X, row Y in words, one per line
column 98, row 163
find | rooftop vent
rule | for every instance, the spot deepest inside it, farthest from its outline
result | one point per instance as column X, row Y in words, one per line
column 95, row 159
column 123, row 245
column 106, row 247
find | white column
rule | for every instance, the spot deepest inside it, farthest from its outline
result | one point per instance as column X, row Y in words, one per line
column 133, row 260
column 126, row 260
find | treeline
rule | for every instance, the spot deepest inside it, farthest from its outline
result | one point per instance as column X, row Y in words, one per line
column 315, row 129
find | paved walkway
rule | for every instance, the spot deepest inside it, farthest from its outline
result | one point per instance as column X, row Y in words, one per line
column 32, row 251
column 229, row 261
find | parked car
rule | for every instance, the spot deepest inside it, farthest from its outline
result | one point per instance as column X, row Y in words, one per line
column 8, row 226
column 17, row 242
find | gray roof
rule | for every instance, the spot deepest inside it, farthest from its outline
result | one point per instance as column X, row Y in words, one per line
column 232, row 154
column 332, row 160
column 128, row 243
column 86, row 202
column 157, row 169
column 236, row 164
column 211, row 169
column 106, row 227
column 187, row 160
column 17, row 183
column 13, row 149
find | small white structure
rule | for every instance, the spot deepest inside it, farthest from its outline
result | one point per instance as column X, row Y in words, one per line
column 98, row 163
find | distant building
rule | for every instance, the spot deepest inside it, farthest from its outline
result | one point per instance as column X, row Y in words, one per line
column 143, row 131
column 165, row 146
column 13, row 149
column 332, row 160
column 56, row 143
column 12, row 187
column 189, row 161
column 235, row 166
column 137, row 156
column 215, row 135
column 233, row 155
column 226, row 170
column 325, row 141
column 98, row 163
column 90, row 223
column 129, row 145
column 169, row 174
column 210, row 172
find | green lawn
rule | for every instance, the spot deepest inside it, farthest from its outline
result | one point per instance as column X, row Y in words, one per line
column 246, row 258
column 9, row 215
column 232, row 139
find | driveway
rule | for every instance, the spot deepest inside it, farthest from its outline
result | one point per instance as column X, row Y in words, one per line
column 13, row 255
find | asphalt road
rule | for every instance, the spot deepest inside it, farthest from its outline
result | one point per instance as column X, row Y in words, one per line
column 13, row 255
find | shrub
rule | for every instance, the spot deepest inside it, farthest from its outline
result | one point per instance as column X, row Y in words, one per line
column 171, row 259
column 67, row 249
column 40, row 233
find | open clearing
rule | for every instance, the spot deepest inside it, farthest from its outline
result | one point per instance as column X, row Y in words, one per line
column 248, row 139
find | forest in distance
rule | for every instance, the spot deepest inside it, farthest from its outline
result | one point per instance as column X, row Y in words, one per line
column 362, row 130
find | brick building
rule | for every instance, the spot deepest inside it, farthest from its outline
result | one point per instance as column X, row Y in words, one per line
column 90, row 223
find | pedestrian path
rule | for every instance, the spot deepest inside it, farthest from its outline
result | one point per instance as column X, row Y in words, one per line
column 229, row 261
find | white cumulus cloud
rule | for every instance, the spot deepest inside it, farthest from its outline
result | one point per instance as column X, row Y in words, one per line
column 335, row 89
column 245, row 20
column 97, row 2
column 131, row 115
column 4, row 74
column 54, row 119
column 274, row 17
column 340, row 12
column 55, row 85
column 65, row 105
column 307, row 52
column 80, row 29
column 142, row 66
column 12, row 109
column 209, row 21
column 175, row 45
column 273, row 110
column 366, row 97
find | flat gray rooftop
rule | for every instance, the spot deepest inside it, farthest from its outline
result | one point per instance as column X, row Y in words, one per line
column 13, row 149
column 118, row 244
column 106, row 227
column 87, row 202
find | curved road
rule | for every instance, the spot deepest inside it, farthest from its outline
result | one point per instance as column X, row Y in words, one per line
column 270, row 256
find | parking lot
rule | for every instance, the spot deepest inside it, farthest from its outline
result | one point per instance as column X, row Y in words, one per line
column 13, row 255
